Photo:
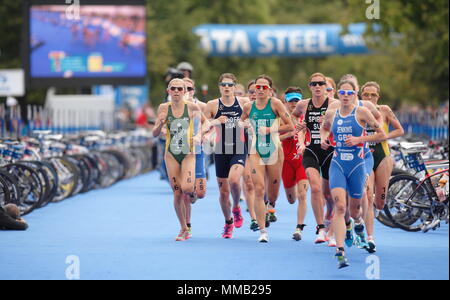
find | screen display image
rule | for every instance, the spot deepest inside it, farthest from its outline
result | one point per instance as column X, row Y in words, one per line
column 99, row 41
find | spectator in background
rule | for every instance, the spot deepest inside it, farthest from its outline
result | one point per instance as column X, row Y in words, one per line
column 146, row 116
column 10, row 218
column 186, row 68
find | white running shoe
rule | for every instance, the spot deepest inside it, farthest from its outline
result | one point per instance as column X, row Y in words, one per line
column 332, row 242
column 376, row 212
column 264, row 237
column 321, row 237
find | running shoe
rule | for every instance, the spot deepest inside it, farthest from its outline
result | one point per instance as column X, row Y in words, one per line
column 349, row 237
column 360, row 237
column 238, row 219
column 181, row 236
column 376, row 212
column 228, row 231
column 332, row 241
column 254, row 225
column 371, row 247
column 264, row 237
column 342, row 260
column 297, row 235
column 188, row 233
column 321, row 237
column 272, row 216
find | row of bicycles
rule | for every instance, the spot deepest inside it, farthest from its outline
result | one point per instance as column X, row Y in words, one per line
column 45, row 168
column 418, row 194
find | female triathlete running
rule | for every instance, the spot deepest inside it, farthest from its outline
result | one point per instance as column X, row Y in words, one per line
column 179, row 118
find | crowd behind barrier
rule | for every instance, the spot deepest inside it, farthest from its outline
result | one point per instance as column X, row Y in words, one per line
column 430, row 121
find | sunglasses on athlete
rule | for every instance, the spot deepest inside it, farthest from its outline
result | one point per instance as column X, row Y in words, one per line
column 317, row 83
column 226, row 84
column 330, row 89
column 367, row 95
column 175, row 88
column 262, row 87
column 346, row 92
column 190, row 89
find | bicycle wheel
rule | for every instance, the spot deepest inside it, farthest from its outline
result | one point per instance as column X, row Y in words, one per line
column 408, row 203
column 44, row 179
column 4, row 192
column 67, row 178
column 382, row 218
column 12, row 186
column 52, row 176
column 32, row 190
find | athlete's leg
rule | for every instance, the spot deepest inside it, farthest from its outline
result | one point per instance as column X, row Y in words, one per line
column 274, row 177
column 225, row 203
column 188, row 175
column 340, row 206
column 290, row 181
column 369, row 215
column 258, row 176
column 200, row 188
column 188, row 184
column 249, row 189
column 174, row 173
column 302, row 190
column 234, row 180
column 382, row 177
column 356, row 209
column 315, row 182
column 200, row 176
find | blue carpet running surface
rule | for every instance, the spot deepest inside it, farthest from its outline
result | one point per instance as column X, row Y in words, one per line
column 128, row 232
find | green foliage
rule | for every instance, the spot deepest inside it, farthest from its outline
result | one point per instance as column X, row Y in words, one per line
column 411, row 66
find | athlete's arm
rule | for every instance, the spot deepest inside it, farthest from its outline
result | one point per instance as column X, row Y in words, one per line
column 161, row 119
column 209, row 113
column 366, row 116
column 281, row 111
column 373, row 109
column 325, row 129
column 196, row 117
column 244, row 122
column 301, row 142
column 392, row 120
column 287, row 135
column 300, row 109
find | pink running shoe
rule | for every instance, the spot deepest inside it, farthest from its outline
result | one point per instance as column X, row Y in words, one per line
column 181, row 236
column 228, row 231
column 238, row 219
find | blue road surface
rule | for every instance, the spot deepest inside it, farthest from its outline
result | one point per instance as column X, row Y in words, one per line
column 128, row 232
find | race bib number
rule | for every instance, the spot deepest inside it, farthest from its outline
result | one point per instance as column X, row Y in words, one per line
column 347, row 156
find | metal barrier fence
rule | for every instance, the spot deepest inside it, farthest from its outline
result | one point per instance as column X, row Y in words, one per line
column 434, row 132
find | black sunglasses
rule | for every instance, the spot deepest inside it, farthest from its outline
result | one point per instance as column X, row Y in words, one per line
column 190, row 89
column 317, row 83
column 226, row 84
column 174, row 88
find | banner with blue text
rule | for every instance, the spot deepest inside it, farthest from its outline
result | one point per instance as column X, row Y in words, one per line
column 281, row 40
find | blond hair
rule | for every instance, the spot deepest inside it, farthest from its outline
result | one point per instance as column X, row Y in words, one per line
column 179, row 80
column 318, row 75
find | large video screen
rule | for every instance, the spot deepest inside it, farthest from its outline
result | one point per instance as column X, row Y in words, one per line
column 99, row 43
